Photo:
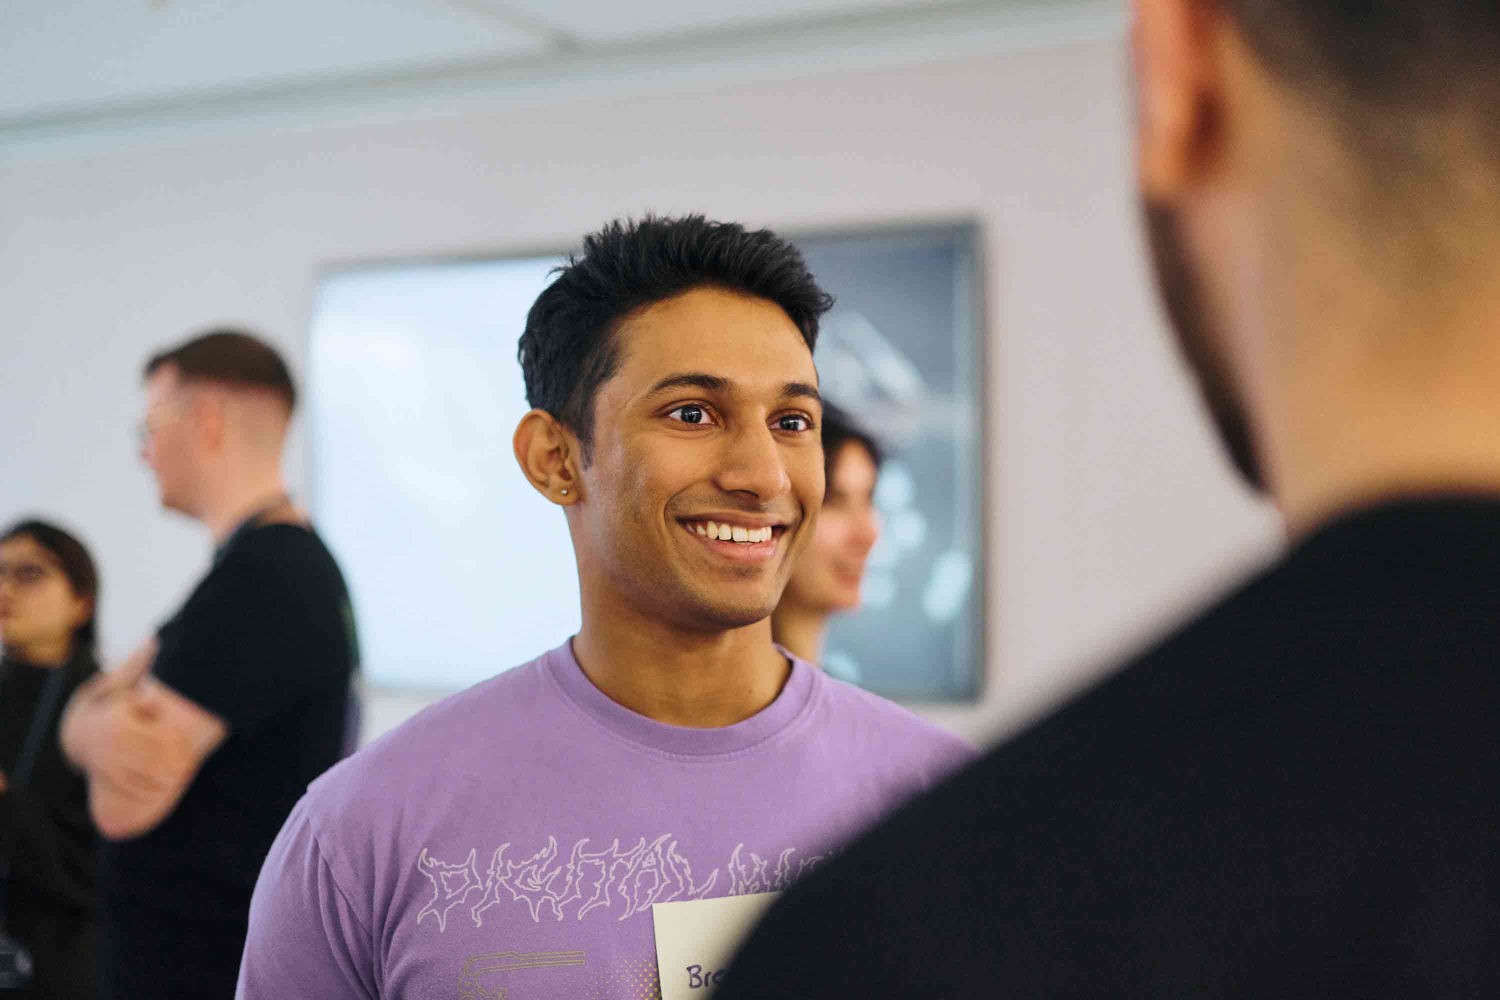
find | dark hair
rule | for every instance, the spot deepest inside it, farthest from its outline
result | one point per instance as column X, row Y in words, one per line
column 77, row 565
column 840, row 429
column 567, row 350
column 231, row 356
column 1386, row 66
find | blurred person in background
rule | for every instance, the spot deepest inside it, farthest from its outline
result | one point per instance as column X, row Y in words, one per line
column 197, row 748
column 49, row 592
column 828, row 574
column 1294, row 795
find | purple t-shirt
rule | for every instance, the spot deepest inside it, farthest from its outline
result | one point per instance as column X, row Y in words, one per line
column 511, row 840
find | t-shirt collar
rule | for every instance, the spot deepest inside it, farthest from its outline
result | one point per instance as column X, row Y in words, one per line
column 790, row 704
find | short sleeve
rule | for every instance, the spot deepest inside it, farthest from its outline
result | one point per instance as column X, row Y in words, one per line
column 306, row 939
column 261, row 633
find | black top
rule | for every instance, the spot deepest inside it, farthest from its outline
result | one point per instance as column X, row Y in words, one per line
column 45, row 830
column 266, row 643
column 44, row 822
column 1295, row 795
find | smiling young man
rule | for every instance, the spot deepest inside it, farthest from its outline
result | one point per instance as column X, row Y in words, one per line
column 513, row 840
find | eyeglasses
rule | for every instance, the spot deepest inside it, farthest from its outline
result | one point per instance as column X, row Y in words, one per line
column 23, row 574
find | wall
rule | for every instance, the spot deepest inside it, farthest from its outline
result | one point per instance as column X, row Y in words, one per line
column 1111, row 511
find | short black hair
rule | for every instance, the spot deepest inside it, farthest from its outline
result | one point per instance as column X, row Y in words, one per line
column 230, row 356
column 568, row 348
column 839, row 429
column 77, row 565
column 1386, row 68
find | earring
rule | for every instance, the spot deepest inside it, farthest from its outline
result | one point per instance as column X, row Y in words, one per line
column 564, row 492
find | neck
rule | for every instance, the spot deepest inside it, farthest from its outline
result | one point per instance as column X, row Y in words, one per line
column 43, row 654
column 704, row 680
column 800, row 630
column 236, row 499
column 1375, row 398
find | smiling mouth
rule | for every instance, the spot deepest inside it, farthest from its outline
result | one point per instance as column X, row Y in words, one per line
column 754, row 543
column 727, row 531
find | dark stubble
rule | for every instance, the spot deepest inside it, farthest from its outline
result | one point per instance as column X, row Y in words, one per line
column 1187, row 311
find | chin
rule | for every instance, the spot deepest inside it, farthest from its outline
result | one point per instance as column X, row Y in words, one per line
column 726, row 615
column 842, row 598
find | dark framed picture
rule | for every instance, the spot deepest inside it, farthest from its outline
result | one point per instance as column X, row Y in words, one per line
column 459, row 570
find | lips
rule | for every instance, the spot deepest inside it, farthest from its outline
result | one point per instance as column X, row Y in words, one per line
column 737, row 542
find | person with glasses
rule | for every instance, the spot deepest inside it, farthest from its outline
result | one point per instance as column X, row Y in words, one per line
column 197, row 749
column 49, row 591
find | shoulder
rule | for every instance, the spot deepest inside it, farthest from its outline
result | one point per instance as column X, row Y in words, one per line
column 887, row 732
column 1287, row 662
column 279, row 545
column 281, row 566
column 431, row 749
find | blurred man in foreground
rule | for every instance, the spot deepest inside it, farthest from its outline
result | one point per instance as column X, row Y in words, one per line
column 197, row 748
column 1294, row 795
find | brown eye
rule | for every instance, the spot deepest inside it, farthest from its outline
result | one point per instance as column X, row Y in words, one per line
column 690, row 414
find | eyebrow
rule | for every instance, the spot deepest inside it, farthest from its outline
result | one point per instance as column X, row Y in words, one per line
column 719, row 384
column 803, row 390
column 692, row 380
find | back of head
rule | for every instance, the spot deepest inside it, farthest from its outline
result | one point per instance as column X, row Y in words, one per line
column 229, row 357
column 840, row 428
column 568, row 349
column 77, row 565
column 1411, row 89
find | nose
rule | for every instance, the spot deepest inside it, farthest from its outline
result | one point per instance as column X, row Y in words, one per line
column 752, row 463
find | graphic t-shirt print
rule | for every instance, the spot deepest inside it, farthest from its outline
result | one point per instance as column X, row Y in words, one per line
column 596, row 879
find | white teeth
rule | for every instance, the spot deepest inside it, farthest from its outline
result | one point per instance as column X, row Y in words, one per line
column 726, row 532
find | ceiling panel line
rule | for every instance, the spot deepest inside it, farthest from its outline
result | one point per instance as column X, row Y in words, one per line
column 524, row 21
column 928, row 34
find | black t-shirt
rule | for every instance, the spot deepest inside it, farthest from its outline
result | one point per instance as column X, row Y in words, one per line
column 1294, row 796
column 265, row 642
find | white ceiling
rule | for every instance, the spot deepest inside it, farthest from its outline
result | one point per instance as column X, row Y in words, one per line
column 596, row 21
column 73, row 55
column 68, row 67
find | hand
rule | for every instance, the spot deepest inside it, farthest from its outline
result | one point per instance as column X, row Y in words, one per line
column 132, row 752
column 79, row 726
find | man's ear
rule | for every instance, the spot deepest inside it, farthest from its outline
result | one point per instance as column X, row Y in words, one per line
column 548, row 454
column 210, row 419
column 1179, row 100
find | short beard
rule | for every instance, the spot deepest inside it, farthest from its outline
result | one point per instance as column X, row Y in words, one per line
column 1187, row 311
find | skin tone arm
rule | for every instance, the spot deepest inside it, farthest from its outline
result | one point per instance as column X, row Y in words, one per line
column 139, row 743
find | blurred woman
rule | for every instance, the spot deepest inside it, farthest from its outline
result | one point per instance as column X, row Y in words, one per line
column 828, row 574
column 48, row 592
